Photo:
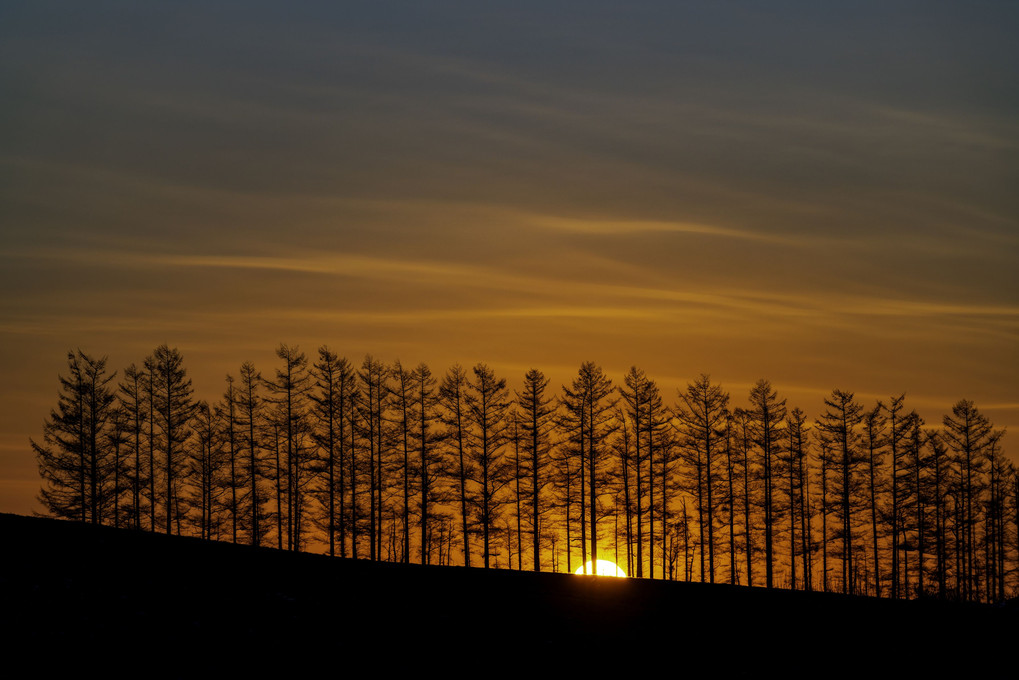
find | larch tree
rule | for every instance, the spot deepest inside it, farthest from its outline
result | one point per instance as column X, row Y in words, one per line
column 742, row 437
column 731, row 474
column 664, row 461
column 796, row 452
column 227, row 416
column 172, row 408
column 405, row 421
column 839, row 425
column 653, row 448
column 700, row 420
column 873, row 441
column 454, row 416
column 567, row 491
column 334, row 379
column 572, row 469
column 967, row 434
column 995, row 536
column 767, row 414
column 117, row 441
column 290, row 392
column 917, row 463
column 374, row 405
column 625, row 483
column 131, row 395
column 632, row 458
column 897, row 424
column 207, row 470
column 940, row 468
column 487, row 409
column 251, row 428
column 537, row 419
column 589, row 407
column 431, row 462
column 73, row 457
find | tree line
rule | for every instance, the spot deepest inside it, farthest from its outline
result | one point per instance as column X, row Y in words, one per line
column 385, row 462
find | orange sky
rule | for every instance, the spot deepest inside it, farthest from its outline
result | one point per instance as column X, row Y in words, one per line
column 822, row 198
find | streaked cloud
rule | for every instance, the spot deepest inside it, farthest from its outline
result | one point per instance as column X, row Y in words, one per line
column 804, row 192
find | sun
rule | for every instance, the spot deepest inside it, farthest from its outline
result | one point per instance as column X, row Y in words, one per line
column 605, row 568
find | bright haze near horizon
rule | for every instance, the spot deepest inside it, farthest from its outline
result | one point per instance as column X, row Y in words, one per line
column 822, row 196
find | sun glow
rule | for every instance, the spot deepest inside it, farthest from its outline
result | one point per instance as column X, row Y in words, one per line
column 605, row 568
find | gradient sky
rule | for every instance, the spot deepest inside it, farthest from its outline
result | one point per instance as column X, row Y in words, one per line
column 825, row 197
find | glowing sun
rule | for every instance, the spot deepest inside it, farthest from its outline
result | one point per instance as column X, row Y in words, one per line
column 604, row 568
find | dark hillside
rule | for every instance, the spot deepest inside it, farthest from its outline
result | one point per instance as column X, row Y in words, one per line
column 140, row 604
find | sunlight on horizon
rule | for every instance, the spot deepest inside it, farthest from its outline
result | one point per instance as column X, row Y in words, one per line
column 605, row 568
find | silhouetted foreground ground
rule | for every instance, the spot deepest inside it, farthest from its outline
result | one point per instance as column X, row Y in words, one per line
column 134, row 604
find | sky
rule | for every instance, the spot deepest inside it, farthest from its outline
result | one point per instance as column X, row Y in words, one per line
column 819, row 194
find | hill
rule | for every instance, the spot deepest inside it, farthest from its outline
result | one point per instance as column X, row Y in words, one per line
column 136, row 603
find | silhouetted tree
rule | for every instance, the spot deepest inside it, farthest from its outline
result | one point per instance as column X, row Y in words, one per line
column 251, row 425
column 730, row 497
column 898, row 429
column 207, row 469
column 537, row 418
column 172, row 408
column 334, row 379
column 405, row 421
column 742, row 437
column 939, row 483
column 227, row 415
column 999, row 471
column 700, row 415
column 658, row 443
column 796, row 453
column 568, row 490
column 968, row 433
column 635, row 395
column 588, row 414
column 839, row 425
column 73, row 459
column 291, row 392
column 487, row 406
column 131, row 394
column 432, row 465
column 873, row 434
column 116, row 441
column 767, row 415
column 374, row 404
column 453, row 397
column 623, row 446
